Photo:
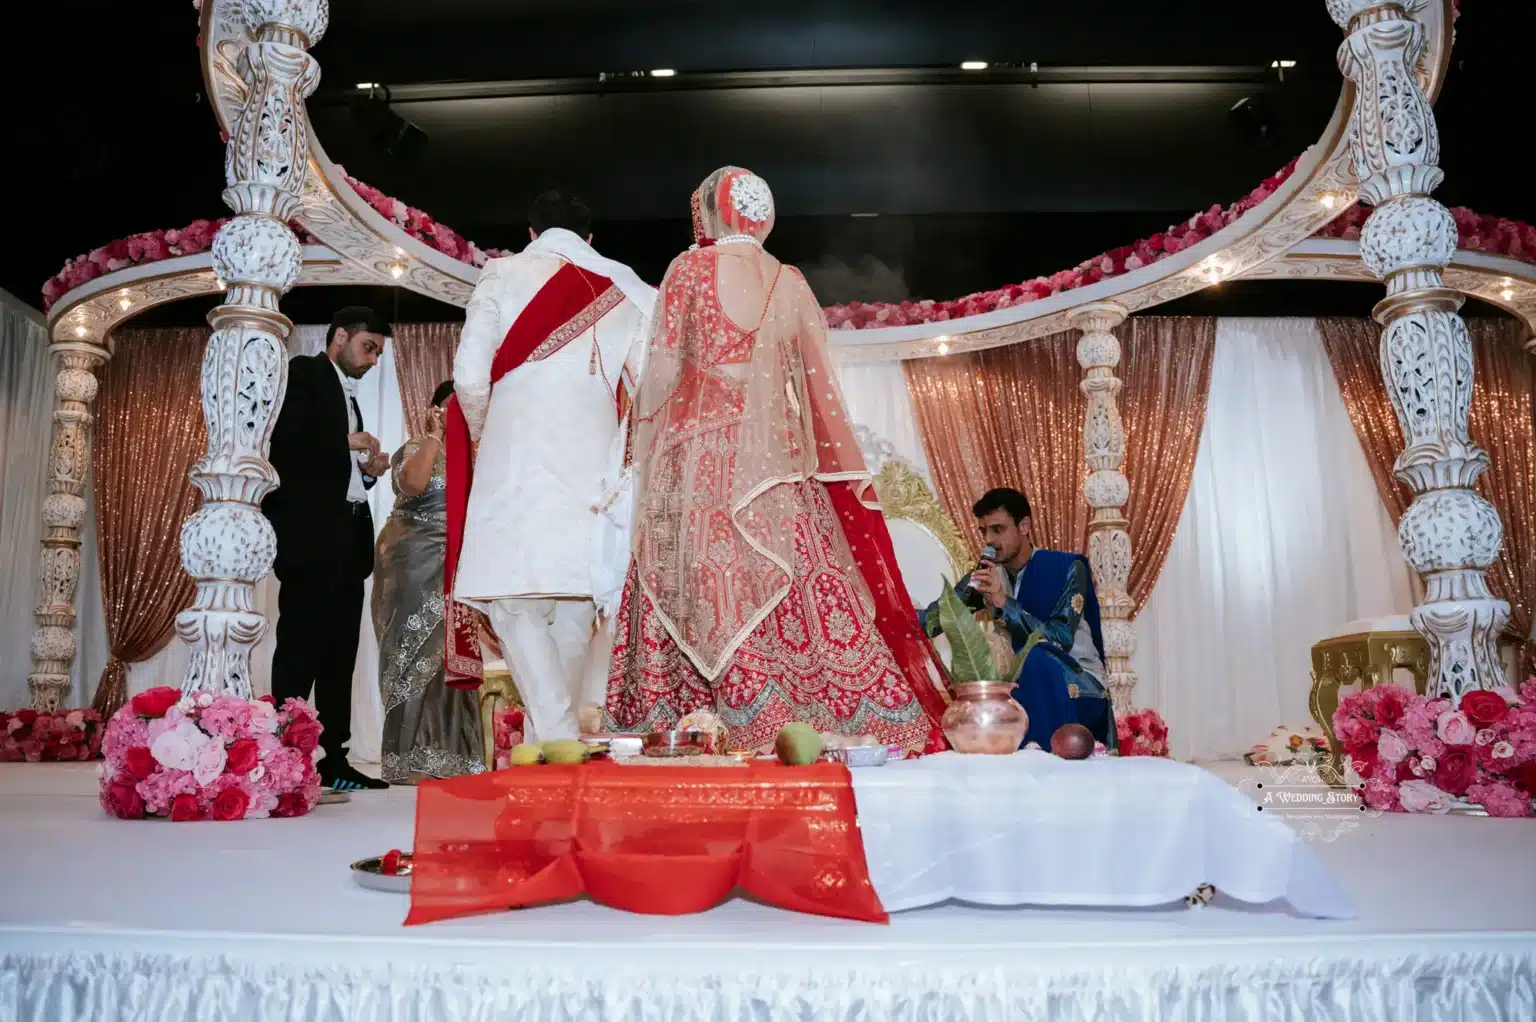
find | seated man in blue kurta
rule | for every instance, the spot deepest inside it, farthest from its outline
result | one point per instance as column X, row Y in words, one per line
column 1046, row 592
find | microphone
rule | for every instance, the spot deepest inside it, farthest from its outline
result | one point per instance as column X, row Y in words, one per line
column 988, row 555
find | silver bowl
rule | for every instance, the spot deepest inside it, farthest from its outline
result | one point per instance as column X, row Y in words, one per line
column 859, row 755
column 674, row 743
column 370, row 873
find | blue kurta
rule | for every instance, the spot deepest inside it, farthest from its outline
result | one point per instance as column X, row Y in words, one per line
column 1050, row 597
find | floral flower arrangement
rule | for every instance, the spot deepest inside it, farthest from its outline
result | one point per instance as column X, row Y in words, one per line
column 421, row 226
column 1286, row 746
column 210, row 758
column 138, row 249
column 1494, row 235
column 508, row 727
column 864, row 315
column 1420, row 755
column 37, row 736
column 1142, row 733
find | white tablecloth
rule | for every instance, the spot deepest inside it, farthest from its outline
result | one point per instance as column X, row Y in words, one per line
column 1033, row 829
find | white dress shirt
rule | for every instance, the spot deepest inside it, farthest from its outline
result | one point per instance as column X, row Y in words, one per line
column 357, row 493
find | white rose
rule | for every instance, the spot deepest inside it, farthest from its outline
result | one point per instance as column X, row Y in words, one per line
column 1503, row 750
column 205, row 699
column 1427, row 763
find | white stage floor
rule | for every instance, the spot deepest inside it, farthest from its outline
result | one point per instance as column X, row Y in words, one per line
column 102, row 919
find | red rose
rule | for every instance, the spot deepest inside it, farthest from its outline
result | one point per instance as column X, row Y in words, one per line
column 1524, row 777
column 139, row 761
column 185, row 808
column 231, row 805
column 122, row 800
column 290, row 804
column 270, row 700
column 1456, row 770
column 1391, row 706
column 303, row 734
column 156, row 701
column 27, row 717
column 1484, row 708
column 243, row 756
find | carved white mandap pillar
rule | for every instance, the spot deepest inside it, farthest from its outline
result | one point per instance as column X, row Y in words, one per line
column 227, row 546
column 1449, row 534
column 1106, row 490
column 53, row 643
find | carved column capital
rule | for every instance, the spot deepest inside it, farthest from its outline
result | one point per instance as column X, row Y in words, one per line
column 227, row 545
column 1449, row 534
column 1106, row 490
column 63, row 511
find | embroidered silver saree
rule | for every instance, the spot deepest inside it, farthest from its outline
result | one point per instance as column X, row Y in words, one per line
column 429, row 728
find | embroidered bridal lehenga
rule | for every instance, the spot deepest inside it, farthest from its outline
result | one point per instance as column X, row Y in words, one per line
column 763, row 586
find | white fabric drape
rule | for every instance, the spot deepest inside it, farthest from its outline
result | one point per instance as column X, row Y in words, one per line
column 26, row 436
column 378, row 396
column 1282, row 541
column 880, row 406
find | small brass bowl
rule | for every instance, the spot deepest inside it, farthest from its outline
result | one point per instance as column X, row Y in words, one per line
column 674, row 743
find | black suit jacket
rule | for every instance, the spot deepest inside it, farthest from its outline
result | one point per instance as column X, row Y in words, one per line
column 315, row 524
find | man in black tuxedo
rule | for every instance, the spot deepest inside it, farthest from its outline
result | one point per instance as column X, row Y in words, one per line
column 326, row 462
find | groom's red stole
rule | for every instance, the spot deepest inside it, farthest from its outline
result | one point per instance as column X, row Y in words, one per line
column 568, row 305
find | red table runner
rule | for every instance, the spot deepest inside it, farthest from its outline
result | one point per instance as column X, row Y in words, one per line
column 652, row 839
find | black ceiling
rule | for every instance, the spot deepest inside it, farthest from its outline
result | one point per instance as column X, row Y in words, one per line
column 979, row 179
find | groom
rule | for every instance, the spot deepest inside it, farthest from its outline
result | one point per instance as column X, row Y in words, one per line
column 552, row 339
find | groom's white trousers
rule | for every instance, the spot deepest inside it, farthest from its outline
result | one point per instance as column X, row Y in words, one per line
column 545, row 644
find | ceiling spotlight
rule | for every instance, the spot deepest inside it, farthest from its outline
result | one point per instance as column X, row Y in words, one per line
column 397, row 270
column 1212, row 272
column 664, row 72
column 1328, row 199
column 973, row 65
column 124, row 301
column 218, row 283
column 943, row 348
column 79, row 331
column 1283, row 64
column 366, row 86
column 1507, row 294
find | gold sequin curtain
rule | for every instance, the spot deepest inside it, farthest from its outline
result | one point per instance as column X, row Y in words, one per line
column 1013, row 416
column 423, row 359
column 149, row 430
column 1502, row 422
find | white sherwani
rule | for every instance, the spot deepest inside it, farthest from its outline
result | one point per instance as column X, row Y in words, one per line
column 537, row 547
column 545, row 436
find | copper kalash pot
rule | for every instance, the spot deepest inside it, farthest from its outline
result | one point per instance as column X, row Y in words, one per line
column 984, row 718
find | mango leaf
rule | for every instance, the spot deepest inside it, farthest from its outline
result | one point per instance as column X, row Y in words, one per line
column 1017, row 667
column 970, row 656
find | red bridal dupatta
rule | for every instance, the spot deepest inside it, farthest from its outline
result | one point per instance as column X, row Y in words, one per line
column 568, row 305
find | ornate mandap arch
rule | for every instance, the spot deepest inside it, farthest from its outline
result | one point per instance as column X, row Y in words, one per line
column 1380, row 147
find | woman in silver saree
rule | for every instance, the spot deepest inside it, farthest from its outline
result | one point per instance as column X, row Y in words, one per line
column 430, row 729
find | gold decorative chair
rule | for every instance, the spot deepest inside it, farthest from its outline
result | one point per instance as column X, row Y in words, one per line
column 1367, row 654
column 927, row 544
column 497, row 690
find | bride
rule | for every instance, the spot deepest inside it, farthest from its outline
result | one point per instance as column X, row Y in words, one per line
column 763, row 586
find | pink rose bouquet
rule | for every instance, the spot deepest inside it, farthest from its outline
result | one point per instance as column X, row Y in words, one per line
column 1419, row 755
column 1142, row 733
column 59, row 736
column 209, row 757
